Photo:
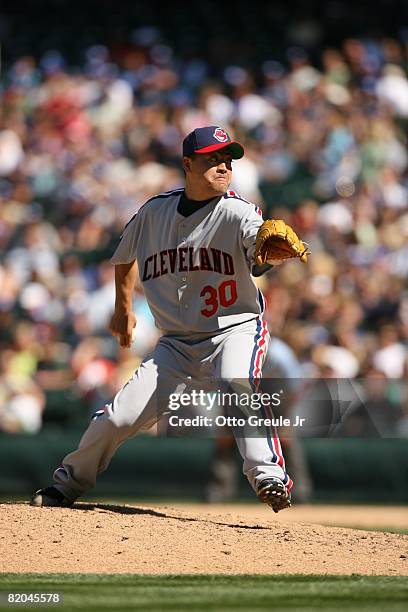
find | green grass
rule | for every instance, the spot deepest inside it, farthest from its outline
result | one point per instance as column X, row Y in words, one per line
column 92, row 592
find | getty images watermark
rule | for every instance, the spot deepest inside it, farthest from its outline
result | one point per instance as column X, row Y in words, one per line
column 251, row 409
column 370, row 407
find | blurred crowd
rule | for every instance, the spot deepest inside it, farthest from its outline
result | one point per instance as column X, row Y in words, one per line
column 82, row 148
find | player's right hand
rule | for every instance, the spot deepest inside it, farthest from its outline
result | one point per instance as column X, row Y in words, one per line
column 122, row 325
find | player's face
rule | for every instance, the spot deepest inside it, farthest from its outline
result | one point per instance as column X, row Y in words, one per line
column 209, row 174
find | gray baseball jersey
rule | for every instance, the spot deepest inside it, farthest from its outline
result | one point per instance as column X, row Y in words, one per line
column 195, row 270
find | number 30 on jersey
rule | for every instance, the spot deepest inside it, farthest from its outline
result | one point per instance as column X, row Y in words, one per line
column 224, row 295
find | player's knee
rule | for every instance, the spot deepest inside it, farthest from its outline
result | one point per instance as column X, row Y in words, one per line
column 122, row 420
column 114, row 418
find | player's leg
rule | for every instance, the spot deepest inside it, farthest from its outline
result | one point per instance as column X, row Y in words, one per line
column 136, row 406
column 239, row 359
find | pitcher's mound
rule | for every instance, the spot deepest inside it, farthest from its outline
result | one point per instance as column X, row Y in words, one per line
column 106, row 538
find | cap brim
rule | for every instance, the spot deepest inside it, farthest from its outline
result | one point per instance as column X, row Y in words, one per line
column 236, row 149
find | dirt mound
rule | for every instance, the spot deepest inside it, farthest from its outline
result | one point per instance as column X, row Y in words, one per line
column 106, row 538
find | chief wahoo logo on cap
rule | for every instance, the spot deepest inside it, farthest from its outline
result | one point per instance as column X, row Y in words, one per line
column 220, row 134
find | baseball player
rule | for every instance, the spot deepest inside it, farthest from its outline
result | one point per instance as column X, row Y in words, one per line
column 195, row 249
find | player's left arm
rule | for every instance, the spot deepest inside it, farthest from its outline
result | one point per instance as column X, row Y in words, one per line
column 249, row 229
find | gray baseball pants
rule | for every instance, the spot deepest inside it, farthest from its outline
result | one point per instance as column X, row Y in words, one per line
column 235, row 353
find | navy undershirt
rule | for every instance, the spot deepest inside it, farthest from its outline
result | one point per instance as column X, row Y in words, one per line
column 187, row 207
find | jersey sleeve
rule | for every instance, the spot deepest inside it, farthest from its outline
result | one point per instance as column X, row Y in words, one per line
column 249, row 228
column 126, row 249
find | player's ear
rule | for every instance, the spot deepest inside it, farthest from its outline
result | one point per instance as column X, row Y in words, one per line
column 187, row 161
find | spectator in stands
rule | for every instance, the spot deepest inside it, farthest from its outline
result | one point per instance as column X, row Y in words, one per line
column 81, row 149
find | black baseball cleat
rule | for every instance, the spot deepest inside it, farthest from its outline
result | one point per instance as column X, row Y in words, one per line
column 50, row 496
column 273, row 492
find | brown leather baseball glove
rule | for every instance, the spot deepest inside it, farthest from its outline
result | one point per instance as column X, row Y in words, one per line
column 277, row 241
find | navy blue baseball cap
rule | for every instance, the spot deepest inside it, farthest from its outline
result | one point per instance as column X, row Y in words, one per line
column 211, row 138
